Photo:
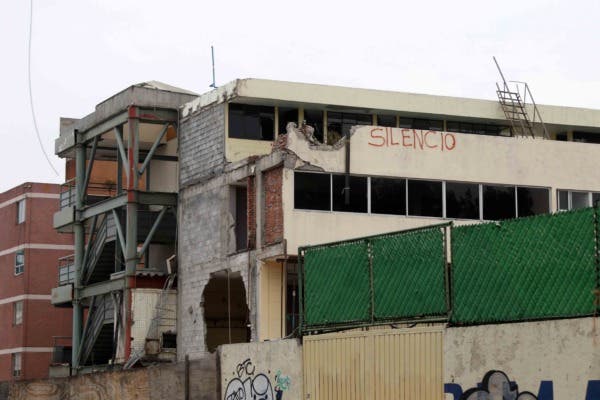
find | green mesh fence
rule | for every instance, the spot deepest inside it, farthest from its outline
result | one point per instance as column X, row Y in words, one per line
column 408, row 274
column 524, row 269
column 337, row 284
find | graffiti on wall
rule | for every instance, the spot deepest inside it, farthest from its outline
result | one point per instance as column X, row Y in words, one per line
column 248, row 384
column 496, row 384
column 412, row 138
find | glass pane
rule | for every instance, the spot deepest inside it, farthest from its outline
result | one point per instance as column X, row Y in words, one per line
column 595, row 199
column 498, row 202
column 533, row 201
column 357, row 199
column 286, row 115
column 386, row 120
column 312, row 191
column 462, row 200
column 425, row 198
column 388, row 196
column 580, row 200
column 251, row 122
column 314, row 118
column 563, row 200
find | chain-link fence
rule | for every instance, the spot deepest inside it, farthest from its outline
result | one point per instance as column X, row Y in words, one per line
column 540, row 267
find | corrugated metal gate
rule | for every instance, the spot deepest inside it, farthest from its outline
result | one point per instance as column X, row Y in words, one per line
column 398, row 364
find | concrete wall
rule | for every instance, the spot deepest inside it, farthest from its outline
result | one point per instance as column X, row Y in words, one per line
column 376, row 151
column 160, row 382
column 271, row 370
column 202, row 144
column 555, row 360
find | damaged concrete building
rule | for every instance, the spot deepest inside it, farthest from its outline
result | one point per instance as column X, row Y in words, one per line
column 268, row 166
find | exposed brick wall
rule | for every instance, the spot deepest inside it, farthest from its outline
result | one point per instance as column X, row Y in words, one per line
column 251, row 212
column 272, row 181
column 202, row 145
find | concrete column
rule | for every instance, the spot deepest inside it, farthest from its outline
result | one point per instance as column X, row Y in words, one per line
column 79, row 234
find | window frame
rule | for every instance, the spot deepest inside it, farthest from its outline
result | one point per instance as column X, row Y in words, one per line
column 260, row 109
column 21, row 211
column 16, row 360
column 18, row 307
column 19, row 266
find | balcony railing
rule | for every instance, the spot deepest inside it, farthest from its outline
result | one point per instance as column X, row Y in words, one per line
column 95, row 192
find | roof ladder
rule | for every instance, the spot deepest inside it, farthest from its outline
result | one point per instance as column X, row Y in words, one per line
column 513, row 101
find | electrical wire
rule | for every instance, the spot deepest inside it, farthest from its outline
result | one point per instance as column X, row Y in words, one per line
column 35, row 125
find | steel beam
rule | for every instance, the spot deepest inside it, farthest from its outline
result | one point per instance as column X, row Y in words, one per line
column 79, row 237
column 103, row 207
column 157, row 199
column 153, row 230
column 121, row 147
column 88, row 171
column 157, row 116
column 153, row 149
column 103, row 127
column 119, row 232
column 101, row 288
column 89, row 243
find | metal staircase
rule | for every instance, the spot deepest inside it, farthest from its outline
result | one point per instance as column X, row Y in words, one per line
column 100, row 258
column 513, row 101
column 97, row 346
column 161, row 314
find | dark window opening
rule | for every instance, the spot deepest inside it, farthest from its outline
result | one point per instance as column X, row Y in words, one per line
column 424, row 198
column 357, row 201
column 386, row 120
column 579, row 200
column 225, row 310
column 292, row 304
column 532, row 201
column 563, row 200
column 169, row 340
column 314, row 118
column 251, row 122
column 475, row 128
column 595, row 199
column 586, row 137
column 312, row 191
column 562, row 137
column 286, row 115
column 339, row 124
column 388, row 196
column 241, row 218
column 498, row 202
column 462, row 200
column 422, row 124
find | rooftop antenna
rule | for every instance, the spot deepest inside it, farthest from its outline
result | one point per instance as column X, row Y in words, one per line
column 212, row 52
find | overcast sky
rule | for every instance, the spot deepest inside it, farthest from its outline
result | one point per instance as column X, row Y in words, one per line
column 84, row 51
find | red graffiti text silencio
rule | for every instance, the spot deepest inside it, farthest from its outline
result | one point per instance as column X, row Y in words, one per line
column 412, row 138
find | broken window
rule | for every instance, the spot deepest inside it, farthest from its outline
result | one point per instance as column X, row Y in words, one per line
column 498, row 202
column 349, row 193
column 292, row 304
column 314, row 118
column 16, row 365
column 286, row 115
column 388, row 196
column 424, row 198
column 251, row 122
column 312, row 191
column 339, row 124
column 225, row 310
column 386, row 120
column 532, row 201
column 462, row 200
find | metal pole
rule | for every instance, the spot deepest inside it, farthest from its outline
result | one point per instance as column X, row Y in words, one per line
column 79, row 237
column 131, row 233
column 212, row 53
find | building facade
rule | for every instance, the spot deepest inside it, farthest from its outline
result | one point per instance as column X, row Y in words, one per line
column 253, row 188
column 30, row 327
